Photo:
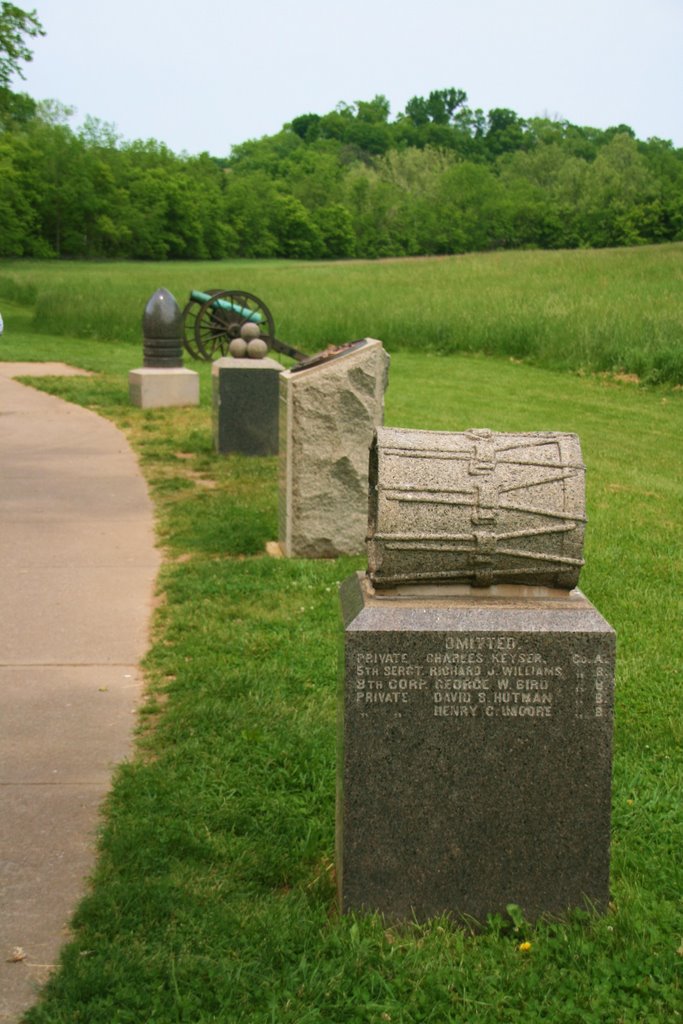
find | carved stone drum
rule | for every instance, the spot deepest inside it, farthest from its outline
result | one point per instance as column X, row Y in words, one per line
column 478, row 507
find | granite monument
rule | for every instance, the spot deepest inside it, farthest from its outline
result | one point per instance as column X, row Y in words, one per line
column 246, row 403
column 162, row 380
column 476, row 685
column 329, row 409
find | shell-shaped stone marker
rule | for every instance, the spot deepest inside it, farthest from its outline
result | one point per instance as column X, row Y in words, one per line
column 162, row 317
column 162, row 331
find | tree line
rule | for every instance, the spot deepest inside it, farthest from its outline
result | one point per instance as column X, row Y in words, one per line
column 438, row 178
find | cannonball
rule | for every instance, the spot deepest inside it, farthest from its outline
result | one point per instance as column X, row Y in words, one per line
column 250, row 330
column 238, row 348
column 257, row 348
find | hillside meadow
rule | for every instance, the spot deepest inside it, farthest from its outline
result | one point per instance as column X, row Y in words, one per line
column 617, row 311
column 213, row 898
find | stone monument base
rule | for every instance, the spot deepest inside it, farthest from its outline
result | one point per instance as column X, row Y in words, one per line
column 474, row 751
column 154, row 388
column 246, row 405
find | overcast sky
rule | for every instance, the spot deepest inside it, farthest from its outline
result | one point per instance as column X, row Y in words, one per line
column 205, row 76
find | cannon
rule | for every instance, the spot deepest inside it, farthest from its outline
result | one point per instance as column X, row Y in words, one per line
column 213, row 320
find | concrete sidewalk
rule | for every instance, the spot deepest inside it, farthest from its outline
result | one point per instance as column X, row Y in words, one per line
column 77, row 569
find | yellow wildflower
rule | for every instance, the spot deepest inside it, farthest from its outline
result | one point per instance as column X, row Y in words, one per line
column 524, row 947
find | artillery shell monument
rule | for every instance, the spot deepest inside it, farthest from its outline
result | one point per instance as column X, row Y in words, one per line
column 475, row 723
column 163, row 380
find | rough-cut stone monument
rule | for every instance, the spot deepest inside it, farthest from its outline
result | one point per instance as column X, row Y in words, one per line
column 476, row 687
column 162, row 380
column 329, row 410
column 245, row 405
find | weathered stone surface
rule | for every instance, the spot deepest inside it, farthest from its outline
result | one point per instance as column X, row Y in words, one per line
column 257, row 348
column 476, row 507
column 238, row 348
column 245, row 405
column 249, row 331
column 474, row 751
column 328, row 413
column 154, row 388
column 162, row 331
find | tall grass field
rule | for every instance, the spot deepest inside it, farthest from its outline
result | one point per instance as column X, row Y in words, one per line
column 615, row 311
column 213, row 898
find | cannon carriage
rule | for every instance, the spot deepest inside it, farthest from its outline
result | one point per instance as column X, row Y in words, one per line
column 219, row 323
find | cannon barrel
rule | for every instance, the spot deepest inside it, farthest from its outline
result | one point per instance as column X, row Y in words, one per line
column 248, row 314
column 211, row 320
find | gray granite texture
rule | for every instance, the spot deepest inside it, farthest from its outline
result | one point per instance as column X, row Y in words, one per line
column 474, row 758
column 162, row 331
column 476, row 507
column 245, row 405
column 328, row 415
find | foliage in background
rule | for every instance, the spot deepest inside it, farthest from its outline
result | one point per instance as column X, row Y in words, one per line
column 15, row 26
column 440, row 178
column 615, row 311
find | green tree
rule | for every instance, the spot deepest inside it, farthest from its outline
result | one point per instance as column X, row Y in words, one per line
column 505, row 132
column 472, row 212
column 313, row 173
column 416, row 175
column 16, row 214
column 666, row 163
column 377, row 211
column 297, row 234
column 376, row 111
column 438, row 108
column 16, row 109
column 336, row 229
column 15, row 27
column 307, row 127
column 543, row 188
column 248, row 205
column 48, row 155
column 268, row 153
column 621, row 204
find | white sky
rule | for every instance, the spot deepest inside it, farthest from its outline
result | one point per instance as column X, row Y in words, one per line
column 209, row 75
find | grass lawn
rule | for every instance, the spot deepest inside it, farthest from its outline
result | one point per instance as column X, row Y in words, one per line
column 213, row 899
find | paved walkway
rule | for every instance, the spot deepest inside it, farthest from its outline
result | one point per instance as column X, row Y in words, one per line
column 77, row 566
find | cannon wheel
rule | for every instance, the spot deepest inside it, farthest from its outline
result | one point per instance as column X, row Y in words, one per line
column 190, row 314
column 215, row 328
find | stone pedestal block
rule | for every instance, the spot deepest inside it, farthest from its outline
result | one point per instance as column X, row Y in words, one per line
column 245, row 405
column 474, row 751
column 328, row 414
column 155, row 387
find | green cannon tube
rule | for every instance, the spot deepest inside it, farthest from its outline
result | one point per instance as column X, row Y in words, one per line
column 248, row 314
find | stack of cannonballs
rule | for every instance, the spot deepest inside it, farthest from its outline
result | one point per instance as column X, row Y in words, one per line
column 249, row 344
